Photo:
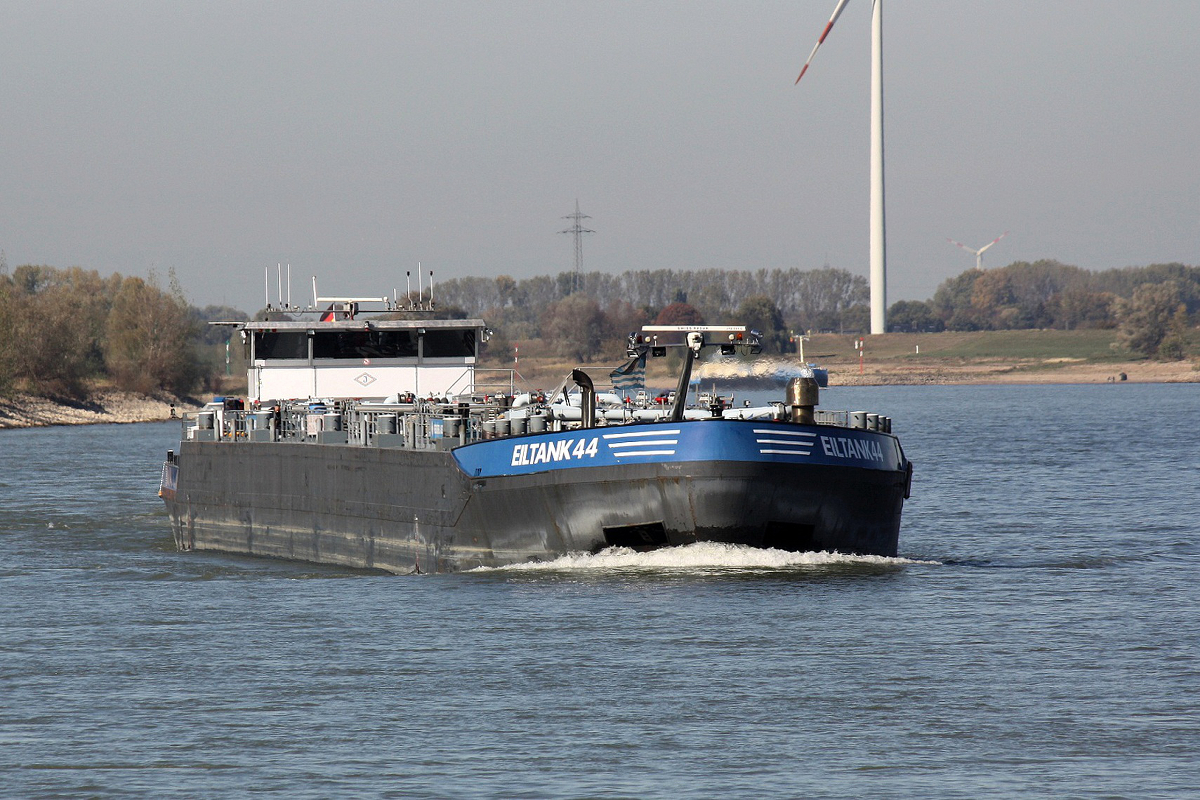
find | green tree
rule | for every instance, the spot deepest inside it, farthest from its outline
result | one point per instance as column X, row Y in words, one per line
column 54, row 327
column 506, row 290
column 679, row 313
column 761, row 314
column 856, row 318
column 149, row 339
column 913, row 316
column 215, row 334
column 824, row 299
column 1079, row 307
column 1146, row 317
column 7, row 334
column 576, row 326
column 623, row 319
column 952, row 302
column 1174, row 346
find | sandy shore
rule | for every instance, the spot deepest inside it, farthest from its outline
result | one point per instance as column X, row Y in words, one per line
column 1032, row 371
column 27, row 411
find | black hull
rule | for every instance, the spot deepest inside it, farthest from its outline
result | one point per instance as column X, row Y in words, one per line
column 401, row 510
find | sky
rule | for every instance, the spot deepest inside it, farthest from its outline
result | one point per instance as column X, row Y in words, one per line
column 354, row 140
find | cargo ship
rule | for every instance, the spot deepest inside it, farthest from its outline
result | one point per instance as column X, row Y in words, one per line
column 378, row 442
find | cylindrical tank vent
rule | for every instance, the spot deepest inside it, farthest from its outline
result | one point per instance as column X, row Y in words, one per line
column 516, row 426
column 331, row 422
column 501, row 427
column 450, row 427
column 262, row 420
column 872, row 422
column 885, row 424
column 537, row 423
column 858, row 419
column 803, row 395
column 204, row 420
column 489, row 429
column 385, row 423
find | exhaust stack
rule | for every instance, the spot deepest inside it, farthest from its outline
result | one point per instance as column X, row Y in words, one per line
column 803, row 395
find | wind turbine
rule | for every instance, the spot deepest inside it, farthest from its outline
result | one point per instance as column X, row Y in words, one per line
column 979, row 253
column 878, row 247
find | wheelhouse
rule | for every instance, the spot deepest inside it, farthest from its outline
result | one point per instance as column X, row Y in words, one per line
column 356, row 358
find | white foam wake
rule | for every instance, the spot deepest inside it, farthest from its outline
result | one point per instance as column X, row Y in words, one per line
column 702, row 556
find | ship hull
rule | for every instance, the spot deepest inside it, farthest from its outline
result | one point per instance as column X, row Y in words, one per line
column 541, row 496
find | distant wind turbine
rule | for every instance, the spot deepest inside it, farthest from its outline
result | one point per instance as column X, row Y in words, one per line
column 878, row 249
column 979, row 253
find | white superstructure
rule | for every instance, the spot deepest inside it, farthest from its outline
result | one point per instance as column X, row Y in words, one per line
column 357, row 358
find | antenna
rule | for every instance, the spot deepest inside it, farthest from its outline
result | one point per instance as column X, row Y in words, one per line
column 408, row 288
column 878, row 225
column 431, row 290
column 279, row 283
column 267, row 287
column 979, row 253
column 420, row 287
column 289, row 285
column 578, row 231
column 314, row 277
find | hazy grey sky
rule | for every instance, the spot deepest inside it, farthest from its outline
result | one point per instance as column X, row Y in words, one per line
column 355, row 139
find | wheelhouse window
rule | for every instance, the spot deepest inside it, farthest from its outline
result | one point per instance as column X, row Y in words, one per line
column 449, row 344
column 364, row 344
column 281, row 345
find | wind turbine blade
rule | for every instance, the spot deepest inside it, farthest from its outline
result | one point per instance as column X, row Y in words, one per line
column 993, row 241
column 837, row 12
column 964, row 247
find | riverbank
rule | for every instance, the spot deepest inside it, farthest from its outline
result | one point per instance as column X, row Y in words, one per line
column 1012, row 371
column 995, row 357
column 902, row 371
column 29, row 411
column 951, row 357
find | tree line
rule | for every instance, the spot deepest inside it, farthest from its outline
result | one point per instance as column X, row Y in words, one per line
column 1152, row 307
column 61, row 329
column 588, row 315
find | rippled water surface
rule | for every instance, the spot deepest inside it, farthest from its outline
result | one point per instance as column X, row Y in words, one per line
column 1039, row 636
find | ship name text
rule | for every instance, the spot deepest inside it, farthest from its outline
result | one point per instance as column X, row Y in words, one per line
column 560, row 450
column 844, row 447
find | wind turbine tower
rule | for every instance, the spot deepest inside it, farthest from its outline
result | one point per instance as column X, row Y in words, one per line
column 979, row 253
column 878, row 227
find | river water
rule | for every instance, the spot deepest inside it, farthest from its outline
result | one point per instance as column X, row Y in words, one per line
column 1039, row 636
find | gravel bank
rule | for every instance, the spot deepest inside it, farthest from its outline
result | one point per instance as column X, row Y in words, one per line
column 27, row 411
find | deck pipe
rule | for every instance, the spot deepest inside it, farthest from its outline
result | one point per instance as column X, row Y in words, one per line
column 587, row 399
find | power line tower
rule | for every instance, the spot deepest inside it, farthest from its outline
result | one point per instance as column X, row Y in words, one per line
column 578, row 230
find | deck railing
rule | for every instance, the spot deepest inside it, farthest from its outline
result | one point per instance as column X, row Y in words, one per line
column 421, row 424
